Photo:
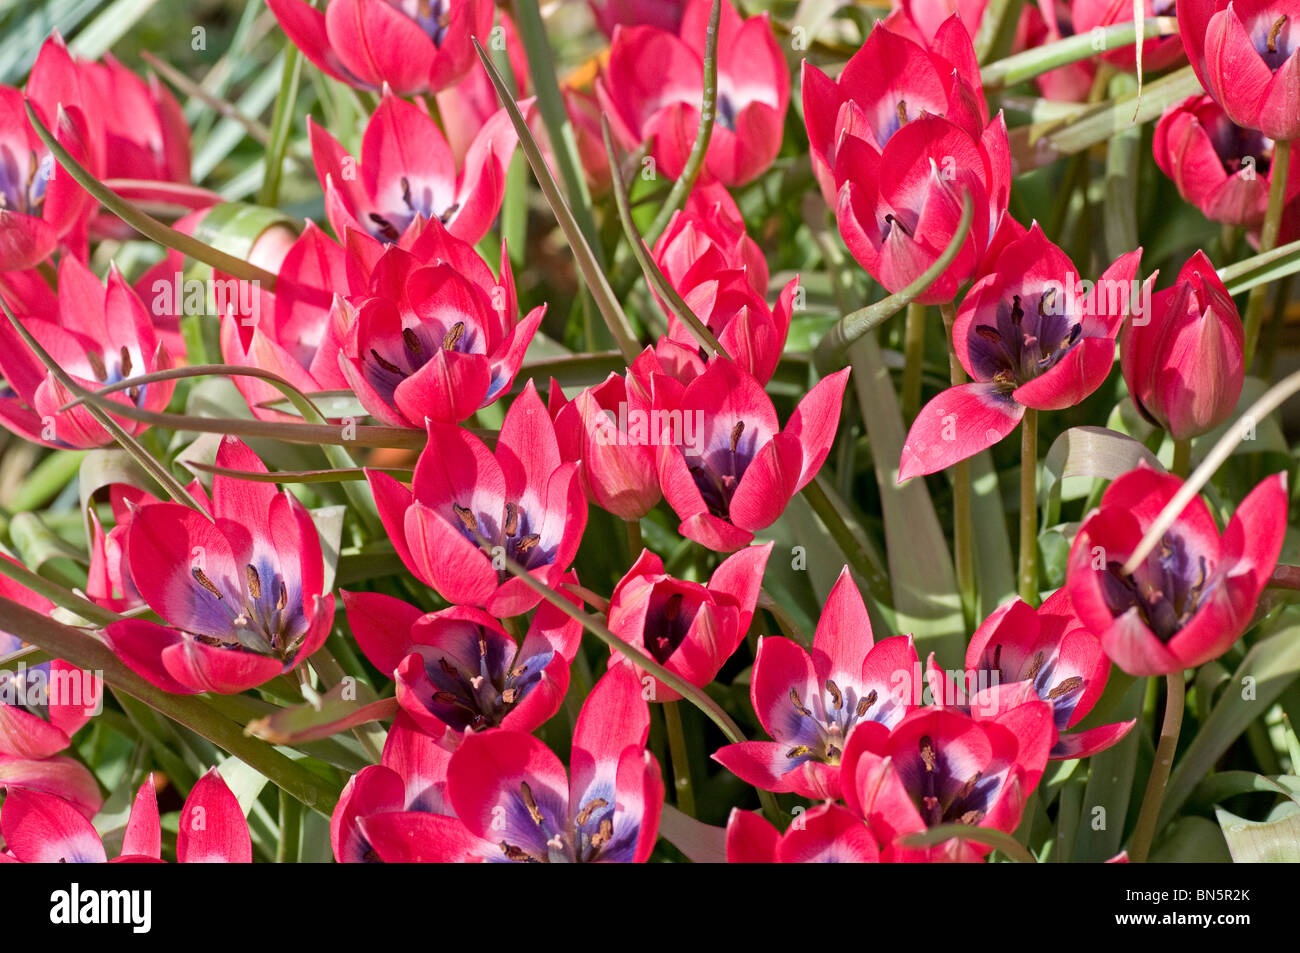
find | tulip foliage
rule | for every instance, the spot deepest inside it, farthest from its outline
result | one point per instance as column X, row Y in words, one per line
column 649, row 430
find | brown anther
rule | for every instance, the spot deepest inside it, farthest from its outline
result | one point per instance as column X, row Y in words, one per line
column 1033, row 668
column 482, row 646
column 1047, row 300
column 254, row 582
column 988, row 333
column 997, row 657
column 971, row 818
column 601, row 837
column 526, row 543
column 448, row 668
column 531, row 803
column 406, row 192
column 798, row 703
column 97, row 365
column 453, row 335
column 512, row 519
column 283, row 599
column 510, row 696
column 517, row 854
column 736, row 431
column 798, row 751
column 202, row 579
column 447, row 698
column 837, row 697
column 833, row 753
column 902, row 112
column 411, row 340
column 385, row 227
column 1065, row 687
column 865, row 703
column 1272, row 34
column 133, row 393
column 1017, row 312
column 928, row 757
column 451, row 209
column 968, row 787
column 125, row 357
column 466, row 517
column 591, row 808
column 385, row 364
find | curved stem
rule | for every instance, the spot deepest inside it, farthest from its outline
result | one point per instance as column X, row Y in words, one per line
column 1029, row 507
column 1145, row 831
column 1267, row 241
column 685, row 795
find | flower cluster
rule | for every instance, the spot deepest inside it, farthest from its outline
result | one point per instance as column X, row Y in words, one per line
column 640, row 551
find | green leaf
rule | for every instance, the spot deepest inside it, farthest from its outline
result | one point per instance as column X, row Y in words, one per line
column 1270, row 665
column 1261, row 842
column 990, row 837
column 1110, row 787
column 332, row 714
column 920, row 568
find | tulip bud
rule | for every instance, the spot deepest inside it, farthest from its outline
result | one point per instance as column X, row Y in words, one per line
column 1184, row 367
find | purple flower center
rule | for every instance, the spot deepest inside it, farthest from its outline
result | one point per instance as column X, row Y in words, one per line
column 1027, row 339
column 418, row 202
column 824, row 728
column 718, row 472
column 23, row 184
column 1273, row 36
column 1236, row 145
column 513, row 535
column 433, row 16
column 942, row 797
column 481, row 696
column 258, row 616
column 1166, row 589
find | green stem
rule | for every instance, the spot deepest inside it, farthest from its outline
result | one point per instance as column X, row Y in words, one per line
column 913, row 358
column 1267, row 241
column 634, row 543
column 1145, row 831
column 1182, row 458
column 286, row 851
column 1029, row 507
column 962, row 531
column 685, row 796
column 281, row 126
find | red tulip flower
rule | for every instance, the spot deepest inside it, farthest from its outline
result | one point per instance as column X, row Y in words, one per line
column 470, row 508
column 653, row 86
column 41, row 205
column 459, row 669
column 730, row 470
column 99, row 335
column 434, row 337
column 899, row 207
column 1218, row 166
column 415, row 46
column 410, row 781
column 140, row 140
column 514, row 801
column 825, row 834
column 41, row 708
column 1029, row 334
column 939, row 766
column 810, row 705
column 616, row 463
column 241, row 589
column 688, row 628
column 1019, row 655
column 42, row 829
column 889, row 82
column 407, row 173
column 1184, row 368
column 1194, row 594
column 1245, row 56
column 295, row 333
column 720, row 273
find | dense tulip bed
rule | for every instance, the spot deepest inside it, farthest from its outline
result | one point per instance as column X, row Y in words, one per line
column 565, row 431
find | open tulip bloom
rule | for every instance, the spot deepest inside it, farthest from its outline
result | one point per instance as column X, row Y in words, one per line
column 386, row 480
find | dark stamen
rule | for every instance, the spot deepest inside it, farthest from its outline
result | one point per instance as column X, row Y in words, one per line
column 1272, row 34
column 202, row 579
column 386, row 365
column 254, row 582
